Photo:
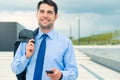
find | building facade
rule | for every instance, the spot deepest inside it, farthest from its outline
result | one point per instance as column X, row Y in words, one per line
column 8, row 34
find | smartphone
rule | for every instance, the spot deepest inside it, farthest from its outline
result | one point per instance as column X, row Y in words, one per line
column 49, row 72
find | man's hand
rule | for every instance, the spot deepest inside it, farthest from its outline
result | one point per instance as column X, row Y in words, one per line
column 29, row 48
column 56, row 75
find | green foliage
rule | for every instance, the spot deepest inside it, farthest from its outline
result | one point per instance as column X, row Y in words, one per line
column 100, row 39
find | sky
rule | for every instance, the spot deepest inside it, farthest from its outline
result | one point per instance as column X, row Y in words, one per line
column 96, row 16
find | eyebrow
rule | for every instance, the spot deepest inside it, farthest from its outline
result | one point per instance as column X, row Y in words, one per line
column 49, row 11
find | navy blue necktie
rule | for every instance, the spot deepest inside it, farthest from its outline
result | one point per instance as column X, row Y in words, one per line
column 40, row 59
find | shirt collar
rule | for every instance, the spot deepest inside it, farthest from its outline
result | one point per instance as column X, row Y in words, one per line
column 50, row 34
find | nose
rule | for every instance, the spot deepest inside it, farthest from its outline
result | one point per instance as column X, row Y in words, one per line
column 45, row 14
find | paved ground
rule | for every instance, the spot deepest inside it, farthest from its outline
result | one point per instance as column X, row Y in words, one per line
column 5, row 67
column 88, row 70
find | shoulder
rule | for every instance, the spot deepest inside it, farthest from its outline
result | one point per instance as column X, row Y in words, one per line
column 63, row 38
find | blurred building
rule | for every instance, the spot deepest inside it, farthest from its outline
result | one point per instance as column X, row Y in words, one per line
column 8, row 34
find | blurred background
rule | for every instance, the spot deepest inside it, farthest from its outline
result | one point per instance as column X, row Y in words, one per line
column 77, row 18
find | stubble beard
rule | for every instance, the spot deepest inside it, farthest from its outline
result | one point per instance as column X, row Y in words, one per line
column 49, row 26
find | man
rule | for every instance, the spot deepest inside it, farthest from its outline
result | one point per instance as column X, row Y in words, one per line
column 59, row 54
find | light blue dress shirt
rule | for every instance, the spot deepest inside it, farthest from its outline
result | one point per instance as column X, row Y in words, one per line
column 59, row 54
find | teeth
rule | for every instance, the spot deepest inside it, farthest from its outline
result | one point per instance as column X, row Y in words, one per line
column 45, row 20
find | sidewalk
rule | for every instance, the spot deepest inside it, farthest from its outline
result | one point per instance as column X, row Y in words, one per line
column 88, row 70
column 5, row 66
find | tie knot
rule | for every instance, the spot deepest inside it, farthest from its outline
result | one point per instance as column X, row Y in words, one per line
column 44, row 36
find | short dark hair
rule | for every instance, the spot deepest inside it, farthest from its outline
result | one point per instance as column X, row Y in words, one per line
column 49, row 2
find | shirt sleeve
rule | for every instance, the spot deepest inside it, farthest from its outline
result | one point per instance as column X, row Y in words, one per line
column 71, row 71
column 20, row 61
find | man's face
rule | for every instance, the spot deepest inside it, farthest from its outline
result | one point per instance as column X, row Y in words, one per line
column 46, row 16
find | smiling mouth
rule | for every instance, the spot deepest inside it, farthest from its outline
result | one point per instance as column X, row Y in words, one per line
column 45, row 21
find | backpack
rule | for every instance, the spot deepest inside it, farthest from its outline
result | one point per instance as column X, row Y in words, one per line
column 24, row 36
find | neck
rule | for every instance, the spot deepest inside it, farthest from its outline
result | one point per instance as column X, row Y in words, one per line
column 46, row 30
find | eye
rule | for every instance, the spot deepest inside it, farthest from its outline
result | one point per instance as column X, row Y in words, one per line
column 50, row 12
column 41, row 11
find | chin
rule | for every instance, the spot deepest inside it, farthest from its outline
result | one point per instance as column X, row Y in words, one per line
column 45, row 27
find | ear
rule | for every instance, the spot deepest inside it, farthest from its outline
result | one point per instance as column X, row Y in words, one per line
column 56, row 16
column 37, row 14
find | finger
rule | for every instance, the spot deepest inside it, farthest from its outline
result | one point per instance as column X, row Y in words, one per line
column 31, row 50
column 31, row 40
column 54, row 69
column 31, row 43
